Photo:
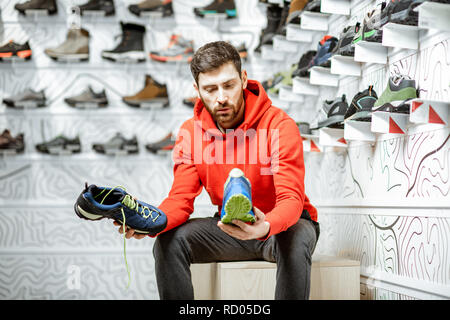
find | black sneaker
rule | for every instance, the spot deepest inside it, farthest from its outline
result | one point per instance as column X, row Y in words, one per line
column 88, row 99
column 336, row 112
column 13, row 50
column 33, row 5
column 373, row 21
column 117, row 145
column 164, row 145
column 281, row 29
column 98, row 6
column 164, row 7
column 273, row 21
column 60, row 145
column 226, row 7
column 131, row 47
column 26, row 99
column 402, row 11
column 11, row 145
column 361, row 107
column 345, row 45
column 305, row 63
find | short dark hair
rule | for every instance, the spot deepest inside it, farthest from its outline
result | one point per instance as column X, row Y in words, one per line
column 212, row 56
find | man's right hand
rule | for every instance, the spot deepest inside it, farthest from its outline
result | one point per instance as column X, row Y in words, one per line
column 129, row 232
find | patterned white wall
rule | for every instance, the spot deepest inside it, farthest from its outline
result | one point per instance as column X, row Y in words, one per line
column 384, row 204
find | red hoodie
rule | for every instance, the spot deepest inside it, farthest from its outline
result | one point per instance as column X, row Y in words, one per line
column 267, row 147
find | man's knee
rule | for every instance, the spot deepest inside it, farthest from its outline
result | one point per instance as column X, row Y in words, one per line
column 299, row 239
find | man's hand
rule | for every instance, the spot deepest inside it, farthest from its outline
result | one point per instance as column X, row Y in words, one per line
column 259, row 229
column 129, row 232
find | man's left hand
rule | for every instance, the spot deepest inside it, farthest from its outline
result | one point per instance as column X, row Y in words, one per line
column 243, row 231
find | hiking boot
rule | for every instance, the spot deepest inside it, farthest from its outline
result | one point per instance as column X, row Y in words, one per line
column 324, row 51
column 237, row 198
column 98, row 6
column 305, row 63
column 13, row 50
column 153, row 95
column 165, row 144
column 178, row 49
column 96, row 203
column 60, row 145
column 283, row 78
column 373, row 21
column 131, row 47
column 117, row 145
column 361, row 107
column 281, row 29
column 399, row 90
column 273, row 20
column 154, row 6
column 217, row 7
column 74, row 48
column 31, row 6
column 346, row 43
column 10, row 144
column 88, row 99
column 402, row 11
column 335, row 111
column 295, row 9
column 26, row 99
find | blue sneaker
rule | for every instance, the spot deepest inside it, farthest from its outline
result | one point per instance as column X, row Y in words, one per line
column 96, row 203
column 237, row 198
column 325, row 51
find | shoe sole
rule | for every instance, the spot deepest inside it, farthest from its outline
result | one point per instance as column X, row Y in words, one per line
column 405, row 17
column 83, row 214
column 238, row 207
column 67, row 150
column 87, row 104
column 157, row 103
column 25, row 104
column 76, row 57
column 230, row 14
column 179, row 57
column 130, row 56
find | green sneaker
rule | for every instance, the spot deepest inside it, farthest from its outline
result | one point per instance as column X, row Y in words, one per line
column 399, row 89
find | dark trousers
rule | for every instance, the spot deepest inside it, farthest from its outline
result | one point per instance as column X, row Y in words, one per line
column 200, row 240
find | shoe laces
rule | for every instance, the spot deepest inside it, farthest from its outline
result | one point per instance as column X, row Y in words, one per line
column 133, row 204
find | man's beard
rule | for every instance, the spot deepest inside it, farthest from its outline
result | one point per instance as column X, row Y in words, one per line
column 217, row 116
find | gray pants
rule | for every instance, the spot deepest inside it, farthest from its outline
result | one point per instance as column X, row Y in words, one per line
column 200, row 240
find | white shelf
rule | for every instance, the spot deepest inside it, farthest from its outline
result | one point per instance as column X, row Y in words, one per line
column 341, row 7
column 314, row 21
column 429, row 111
column 433, row 15
column 277, row 102
column 387, row 122
column 302, row 86
column 269, row 53
column 358, row 130
column 280, row 43
column 345, row 65
column 311, row 143
column 370, row 52
column 295, row 33
column 332, row 137
column 400, row 36
column 323, row 76
column 286, row 94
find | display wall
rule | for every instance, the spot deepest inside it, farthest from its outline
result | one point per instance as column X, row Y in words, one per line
column 384, row 202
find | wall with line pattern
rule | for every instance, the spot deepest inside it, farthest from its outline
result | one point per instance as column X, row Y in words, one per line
column 385, row 204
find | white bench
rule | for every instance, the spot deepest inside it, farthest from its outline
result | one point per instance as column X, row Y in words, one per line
column 332, row 278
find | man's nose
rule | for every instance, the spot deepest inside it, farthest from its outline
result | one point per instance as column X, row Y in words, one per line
column 222, row 97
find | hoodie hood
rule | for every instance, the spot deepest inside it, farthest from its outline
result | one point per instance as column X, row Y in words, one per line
column 256, row 104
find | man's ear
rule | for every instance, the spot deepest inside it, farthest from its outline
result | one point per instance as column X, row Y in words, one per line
column 196, row 89
column 244, row 79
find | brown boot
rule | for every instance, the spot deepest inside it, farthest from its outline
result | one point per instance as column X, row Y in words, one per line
column 11, row 145
column 74, row 48
column 154, row 95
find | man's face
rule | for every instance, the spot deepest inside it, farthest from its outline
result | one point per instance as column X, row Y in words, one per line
column 221, row 92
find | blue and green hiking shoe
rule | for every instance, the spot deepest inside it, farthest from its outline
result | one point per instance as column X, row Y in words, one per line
column 96, row 203
column 237, row 198
column 226, row 7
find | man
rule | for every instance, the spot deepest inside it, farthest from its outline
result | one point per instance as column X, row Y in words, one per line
column 231, row 107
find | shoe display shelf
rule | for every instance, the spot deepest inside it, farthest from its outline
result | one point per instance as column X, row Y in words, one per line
column 280, row 43
column 286, row 93
column 314, row 21
column 311, row 143
column 370, row 52
column 295, row 33
column 323, row 76
column 434, row 15
column 345, row 65
column 304, row 87
column 339, row 7
column 331, row 137
column 358, row 130
column 388, row 122
column 269, row 53
column 282, row 104
column 400, row 36
column 429, row 111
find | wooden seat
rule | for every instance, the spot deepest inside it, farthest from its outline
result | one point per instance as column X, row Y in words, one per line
column 331, row 278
